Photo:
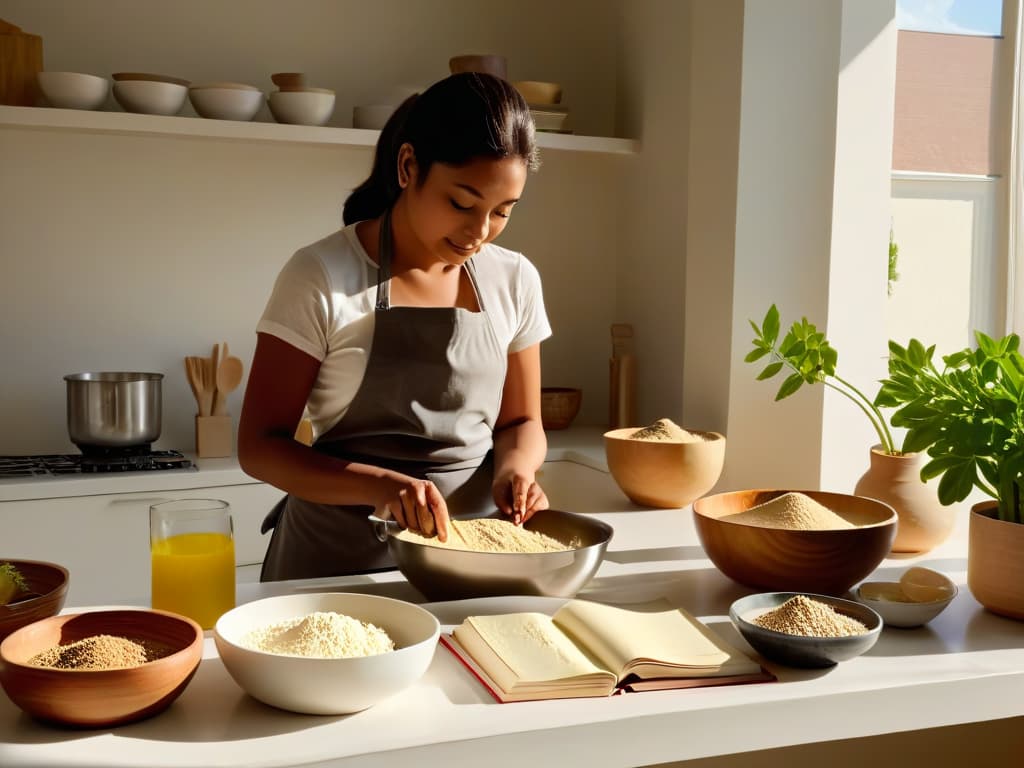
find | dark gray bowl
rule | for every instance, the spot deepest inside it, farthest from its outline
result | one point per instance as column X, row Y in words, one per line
column 797, row 650
column 450, row 574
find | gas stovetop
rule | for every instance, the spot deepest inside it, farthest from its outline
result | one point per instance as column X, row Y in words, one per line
column 56, row 465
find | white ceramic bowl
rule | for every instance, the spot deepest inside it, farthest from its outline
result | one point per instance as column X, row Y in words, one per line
column 372, row 116
column 327, row 686
column 904, row 613
column 73, row 90
column 225, row 103
column 150, row 97
column 301, row 107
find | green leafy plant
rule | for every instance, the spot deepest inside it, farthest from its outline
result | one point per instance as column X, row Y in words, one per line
column 808, row 357
column 969, row 417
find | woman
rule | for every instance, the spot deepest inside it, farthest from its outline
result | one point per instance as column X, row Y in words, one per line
column 411, row 342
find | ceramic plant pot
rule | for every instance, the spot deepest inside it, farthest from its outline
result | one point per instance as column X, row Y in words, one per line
column 995, row 561
column 924, row 523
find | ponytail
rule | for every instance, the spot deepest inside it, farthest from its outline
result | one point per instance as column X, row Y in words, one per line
column 456, row 120
column 380, row 191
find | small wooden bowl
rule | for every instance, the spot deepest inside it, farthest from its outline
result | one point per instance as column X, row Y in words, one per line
column 559, row 406
column 664, row 474
column 491, row 64
column 47, row 590
column 289, row 81
column 786, row 560
column 539, row 92
column 100, row 698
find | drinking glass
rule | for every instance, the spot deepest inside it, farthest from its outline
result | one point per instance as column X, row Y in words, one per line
column 192, row 548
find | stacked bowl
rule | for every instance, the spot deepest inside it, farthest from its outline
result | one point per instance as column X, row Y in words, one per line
column 150, row 94
column 296, row 103
column 226, row 101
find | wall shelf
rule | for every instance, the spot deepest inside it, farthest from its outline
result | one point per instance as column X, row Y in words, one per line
column 45, row 118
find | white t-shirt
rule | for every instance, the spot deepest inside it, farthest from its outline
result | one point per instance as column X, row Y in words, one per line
column 323, row 304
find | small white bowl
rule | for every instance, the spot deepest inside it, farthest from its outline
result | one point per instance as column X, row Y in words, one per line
column 309, row 107
column 73, row 90
column 372, row 116
column 150, row 97
column 327, row 686
column 226, row 103
column 903, row 613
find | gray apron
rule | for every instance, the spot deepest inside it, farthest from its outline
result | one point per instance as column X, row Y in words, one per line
column 426, row 407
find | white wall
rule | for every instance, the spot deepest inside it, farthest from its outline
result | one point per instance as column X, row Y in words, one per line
column 811, row 202
column 130, row 252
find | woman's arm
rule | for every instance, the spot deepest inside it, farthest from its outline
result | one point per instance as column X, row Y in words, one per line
column 279, row 384
column 520, row 444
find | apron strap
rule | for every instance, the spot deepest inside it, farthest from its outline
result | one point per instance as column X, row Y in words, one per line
column 384, row 250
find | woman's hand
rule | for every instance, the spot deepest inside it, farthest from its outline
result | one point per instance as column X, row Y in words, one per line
column 415, row 504
column 519, row 496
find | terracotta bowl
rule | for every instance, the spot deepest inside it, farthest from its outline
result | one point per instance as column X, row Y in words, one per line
column 559, row 406
column 100, row 698
column 664, row 474
column 48, row 588
column 825, row 562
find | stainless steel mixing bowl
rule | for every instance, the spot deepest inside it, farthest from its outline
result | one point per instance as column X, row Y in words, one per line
column 451, row 574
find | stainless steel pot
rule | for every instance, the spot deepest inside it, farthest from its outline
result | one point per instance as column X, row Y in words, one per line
column 113, row 409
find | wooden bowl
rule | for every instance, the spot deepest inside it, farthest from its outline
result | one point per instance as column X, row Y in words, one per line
column 539, row 92
column 47, row 590
column 559, row 406
column 491, row 64
column 664, row 474
column 786, row 560
column 100, row 698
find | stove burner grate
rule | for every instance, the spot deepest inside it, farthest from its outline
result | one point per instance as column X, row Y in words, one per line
column 52, row 465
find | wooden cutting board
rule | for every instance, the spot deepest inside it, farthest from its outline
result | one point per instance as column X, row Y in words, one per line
column 21, row 57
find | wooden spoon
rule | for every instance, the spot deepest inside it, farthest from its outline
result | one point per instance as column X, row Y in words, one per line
column 202, row 382
column 229, row 376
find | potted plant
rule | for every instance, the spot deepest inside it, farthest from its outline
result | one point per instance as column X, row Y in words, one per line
column 969, row 418
column 894, row 472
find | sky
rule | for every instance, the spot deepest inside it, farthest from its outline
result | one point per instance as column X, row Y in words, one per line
column 964, row 17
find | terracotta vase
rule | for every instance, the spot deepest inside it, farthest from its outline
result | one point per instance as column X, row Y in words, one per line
column 995, row 561
column 924, row 523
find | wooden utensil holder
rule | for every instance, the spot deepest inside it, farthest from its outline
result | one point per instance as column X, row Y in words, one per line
column 21, row 58
column 213, row 437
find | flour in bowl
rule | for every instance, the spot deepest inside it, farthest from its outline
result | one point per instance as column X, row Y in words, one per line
column 491, row 534
column 795, row 511
column 323, row 635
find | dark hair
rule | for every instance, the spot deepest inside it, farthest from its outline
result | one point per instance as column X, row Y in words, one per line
column 461, row 118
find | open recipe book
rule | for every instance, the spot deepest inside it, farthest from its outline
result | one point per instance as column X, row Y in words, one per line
column 591, row 649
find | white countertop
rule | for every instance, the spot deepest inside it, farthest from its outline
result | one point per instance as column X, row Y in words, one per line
column 966, row 666
column 579, row 444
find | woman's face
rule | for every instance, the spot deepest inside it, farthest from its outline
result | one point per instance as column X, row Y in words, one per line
column 457, row 209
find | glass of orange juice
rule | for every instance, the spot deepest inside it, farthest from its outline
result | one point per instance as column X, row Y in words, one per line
column 192, row 547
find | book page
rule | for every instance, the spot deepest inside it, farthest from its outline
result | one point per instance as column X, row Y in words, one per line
column 655, row 632
column 530, row 647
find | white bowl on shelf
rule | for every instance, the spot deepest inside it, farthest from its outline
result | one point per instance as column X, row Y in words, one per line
column 372, row 116
column 308, row 107
column 225, row 103
column 73, row 90
column 327, row 686
column 150, row 97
